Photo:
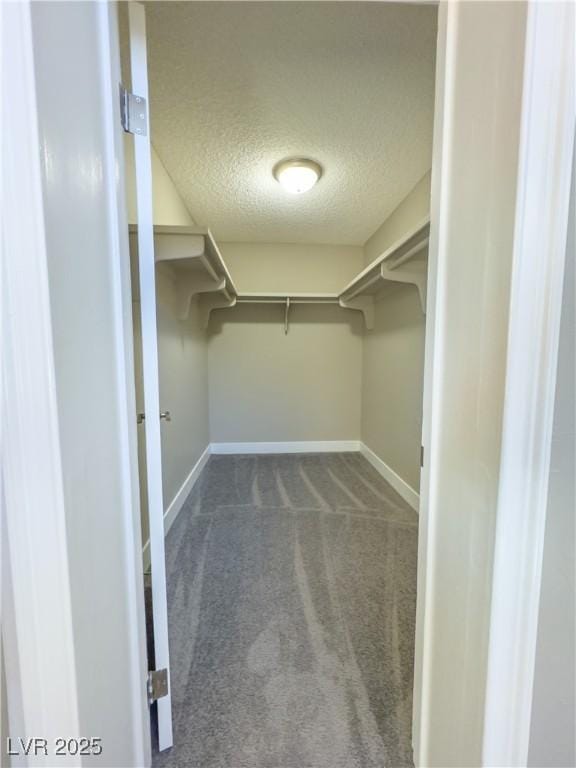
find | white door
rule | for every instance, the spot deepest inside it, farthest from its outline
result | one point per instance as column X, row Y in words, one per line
column 151, row 426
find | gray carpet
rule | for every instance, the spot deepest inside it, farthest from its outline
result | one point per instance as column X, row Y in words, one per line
column 291, row 593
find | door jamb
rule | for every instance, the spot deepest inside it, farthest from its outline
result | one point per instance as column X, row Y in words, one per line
column 41, row 680
column 37, row 633
column 547, row 139
column 425, row 524
column 542, row 206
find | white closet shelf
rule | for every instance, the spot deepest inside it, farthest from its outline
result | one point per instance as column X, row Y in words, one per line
column 360, row 293
column 197, row 264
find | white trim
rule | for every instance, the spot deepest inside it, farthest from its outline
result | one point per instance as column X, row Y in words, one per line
column 405, row 490
column 39, row 633
column 439, row 202
column 305, row 446
column 178, row 501
column 546, row 145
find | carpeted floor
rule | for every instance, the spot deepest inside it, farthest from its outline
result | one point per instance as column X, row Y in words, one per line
column 291, row 593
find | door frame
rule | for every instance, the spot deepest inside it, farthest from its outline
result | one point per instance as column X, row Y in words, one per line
column 540, row 241
column 527, row 419
column 540, row 230
column 40, row 667
column 38, row 635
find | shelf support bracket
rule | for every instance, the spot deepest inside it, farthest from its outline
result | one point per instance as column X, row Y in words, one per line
column 187, row 287
column 215, row 301
column 364, row 304
column 286, row 315
column 412, row 278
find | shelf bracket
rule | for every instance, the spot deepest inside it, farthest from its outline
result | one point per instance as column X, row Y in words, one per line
column 209, row 302
column 187, row 287
column 364, row 304
column 412, row 278
column 286, row 315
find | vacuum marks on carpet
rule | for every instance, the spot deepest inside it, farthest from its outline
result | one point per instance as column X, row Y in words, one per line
column 291, row 592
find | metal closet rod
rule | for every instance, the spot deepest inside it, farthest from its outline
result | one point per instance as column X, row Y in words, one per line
column 287, row 301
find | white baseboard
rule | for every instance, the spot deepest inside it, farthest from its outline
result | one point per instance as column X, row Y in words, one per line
column 305, row 446
column 177, row 502
column 408, row 493
column 400, row 486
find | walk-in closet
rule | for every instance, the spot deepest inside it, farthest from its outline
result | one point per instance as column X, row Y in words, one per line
column 290, row 163
column 287, row 424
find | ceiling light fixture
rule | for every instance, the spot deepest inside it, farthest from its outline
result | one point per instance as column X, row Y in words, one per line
column 297, row 175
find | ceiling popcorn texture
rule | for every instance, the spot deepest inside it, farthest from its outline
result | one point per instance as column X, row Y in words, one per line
column 237, row 86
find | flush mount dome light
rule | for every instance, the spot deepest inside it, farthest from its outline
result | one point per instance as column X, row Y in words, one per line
column 297, row 175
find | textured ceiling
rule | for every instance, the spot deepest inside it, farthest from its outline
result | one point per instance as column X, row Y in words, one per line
column 237, row 86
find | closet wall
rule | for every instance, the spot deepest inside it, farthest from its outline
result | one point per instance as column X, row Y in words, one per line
column 181, row 352
column 393, row 354
column 268, row 386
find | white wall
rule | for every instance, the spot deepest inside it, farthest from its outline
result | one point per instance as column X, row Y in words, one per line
column 393, row 354
column 413, row 208
column 267, row 386
column 168, row 206
column 88, row 329
column 183, row 381
column 553, row 730
column 392, row 382
column 292, row 267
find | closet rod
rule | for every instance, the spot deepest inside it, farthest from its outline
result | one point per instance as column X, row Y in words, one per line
column 281, row 299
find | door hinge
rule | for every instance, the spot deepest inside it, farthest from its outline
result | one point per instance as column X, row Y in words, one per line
column 133, row 112
column 166, row 415
column 421, row 455
column 157, row 684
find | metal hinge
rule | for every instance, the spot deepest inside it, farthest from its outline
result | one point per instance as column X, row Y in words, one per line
column 157, row 684
column 166, row 415
column 133, row 112
column 421, row 455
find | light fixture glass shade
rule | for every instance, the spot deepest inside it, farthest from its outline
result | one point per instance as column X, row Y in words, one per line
column 297, row 176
